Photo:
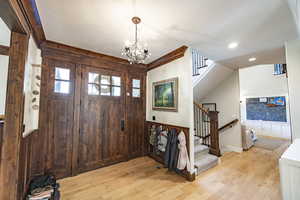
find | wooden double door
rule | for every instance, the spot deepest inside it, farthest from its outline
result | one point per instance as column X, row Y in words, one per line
column 102, row 137
column 95, row 117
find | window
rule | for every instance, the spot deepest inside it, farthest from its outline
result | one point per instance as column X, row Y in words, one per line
column 93, row 84
column 104, row 85
column 136, row 88
column 279, row 69
column 62, row 80
column 116, row 86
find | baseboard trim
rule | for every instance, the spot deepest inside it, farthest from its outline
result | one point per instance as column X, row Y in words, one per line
column 229, row 148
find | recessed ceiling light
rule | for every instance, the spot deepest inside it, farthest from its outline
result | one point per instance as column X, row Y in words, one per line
column 233, row 45
column 252, row 59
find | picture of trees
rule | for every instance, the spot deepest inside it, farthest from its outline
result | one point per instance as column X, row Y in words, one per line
column 165, row 95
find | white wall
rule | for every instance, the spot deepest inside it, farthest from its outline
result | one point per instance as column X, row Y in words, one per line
column 4, row 34
column 181, row 68
column 295, row 8
column 227, row 97
column 4, row 40
column 210, row 79
column 259, row 81
column 293, row 68
column 31, row 116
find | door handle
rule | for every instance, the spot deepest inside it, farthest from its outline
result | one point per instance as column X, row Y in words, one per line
column 122, row 125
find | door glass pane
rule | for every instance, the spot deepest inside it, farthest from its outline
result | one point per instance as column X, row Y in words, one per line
column 136, row 92
column 136, row 83
column 93, row 89
column 116, row 91
column 62, row 74
column 94, row 78
column 105, row 90
column 116, row 80
column 105, row 80
column 62, row 87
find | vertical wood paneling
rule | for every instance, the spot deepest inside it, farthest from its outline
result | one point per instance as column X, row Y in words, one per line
column 13, row 118
column 60, row 117
column 78, row 132
column 1, row 139
column 135, row 117
column 101, row 141
column 76, row 128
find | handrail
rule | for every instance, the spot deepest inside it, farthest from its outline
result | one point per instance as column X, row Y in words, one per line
column 201, row 107
column 230, row 124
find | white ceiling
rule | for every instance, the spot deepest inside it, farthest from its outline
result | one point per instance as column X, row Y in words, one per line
column 268, row 56
column 209, row 25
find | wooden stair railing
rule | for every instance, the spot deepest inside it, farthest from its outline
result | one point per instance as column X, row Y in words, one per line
column 198, row 61
column 228, row 125
column 206, row 128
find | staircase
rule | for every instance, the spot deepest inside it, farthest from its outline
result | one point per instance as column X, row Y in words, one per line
column 203, row 159
column 206, row 143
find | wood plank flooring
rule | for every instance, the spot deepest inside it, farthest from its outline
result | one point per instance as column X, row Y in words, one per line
column 251, row 175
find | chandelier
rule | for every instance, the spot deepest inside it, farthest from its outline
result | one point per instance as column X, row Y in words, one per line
column 135, row 51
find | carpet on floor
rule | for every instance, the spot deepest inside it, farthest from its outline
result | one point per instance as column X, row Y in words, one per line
column 269, row 143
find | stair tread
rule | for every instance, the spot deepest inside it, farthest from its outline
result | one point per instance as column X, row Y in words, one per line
column 206, row 160
column 199, row 148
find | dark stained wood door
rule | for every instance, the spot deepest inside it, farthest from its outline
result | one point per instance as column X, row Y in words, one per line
column 102, row 137
column 136, row 113
column 59, row 120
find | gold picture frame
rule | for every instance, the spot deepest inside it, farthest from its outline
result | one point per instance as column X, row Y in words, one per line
column 165, row 95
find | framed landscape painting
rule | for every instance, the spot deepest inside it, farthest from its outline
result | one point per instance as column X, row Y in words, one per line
column 165, row 95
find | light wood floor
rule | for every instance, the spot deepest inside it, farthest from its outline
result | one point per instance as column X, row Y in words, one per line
column 251, row 175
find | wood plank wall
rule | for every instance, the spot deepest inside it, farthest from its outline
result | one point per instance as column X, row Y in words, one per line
column 12, row 134
column 1, row 138
column 42, row 156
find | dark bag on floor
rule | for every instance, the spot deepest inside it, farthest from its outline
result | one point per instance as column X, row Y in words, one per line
column 42, row 181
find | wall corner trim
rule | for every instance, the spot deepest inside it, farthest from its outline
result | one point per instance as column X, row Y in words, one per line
column 173, row 55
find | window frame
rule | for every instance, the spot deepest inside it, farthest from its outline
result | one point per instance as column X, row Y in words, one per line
column 110, row 85
column 62, row 80
column 136, row 88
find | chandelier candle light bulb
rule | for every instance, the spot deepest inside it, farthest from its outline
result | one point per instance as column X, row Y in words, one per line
column 136, row 52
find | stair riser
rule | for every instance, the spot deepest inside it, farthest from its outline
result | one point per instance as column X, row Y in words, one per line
column 198, row 155
column 207, row 167
column 197, row 141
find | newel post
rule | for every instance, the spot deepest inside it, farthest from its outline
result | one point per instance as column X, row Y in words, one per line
column 214, row 134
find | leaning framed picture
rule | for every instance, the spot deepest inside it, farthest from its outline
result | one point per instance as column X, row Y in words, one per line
column 165, row 95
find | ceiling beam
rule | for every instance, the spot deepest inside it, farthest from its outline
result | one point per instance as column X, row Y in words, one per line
column 22, row 16
column 13, row 16
column 31, row 13
column 176, row 54
column 4, row 50
column 82, row 52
